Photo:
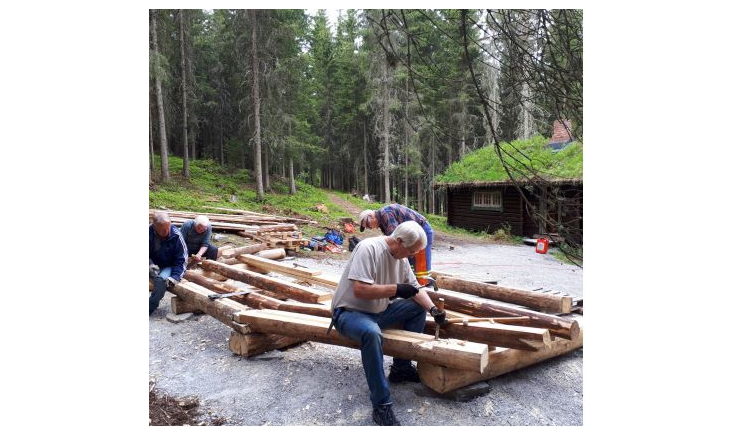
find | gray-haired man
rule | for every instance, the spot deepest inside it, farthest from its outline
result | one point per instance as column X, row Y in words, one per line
column 363, row 304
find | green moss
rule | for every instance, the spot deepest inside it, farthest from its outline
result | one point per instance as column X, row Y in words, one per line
column 484, row 165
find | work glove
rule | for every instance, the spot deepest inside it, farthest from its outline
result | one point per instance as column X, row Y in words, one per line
column 406, row 290
column 171, row 282
column 440, row 317
column 153, row 270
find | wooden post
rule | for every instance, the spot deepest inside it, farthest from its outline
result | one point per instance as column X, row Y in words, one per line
column 307, row 275
column 495, row 334
column 252, row 344
column 537, row 301
column 443, row 379
column 180, row 306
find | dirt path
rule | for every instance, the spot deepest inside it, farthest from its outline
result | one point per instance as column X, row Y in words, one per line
column 439, row 236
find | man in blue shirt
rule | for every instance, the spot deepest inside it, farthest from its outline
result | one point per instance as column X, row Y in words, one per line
column 166, row 257
column 197, row 234
column 387, row 219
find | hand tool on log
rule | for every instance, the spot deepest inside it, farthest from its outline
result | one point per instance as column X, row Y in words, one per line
column 440, row 307
column 432, row 283
column 222, row 296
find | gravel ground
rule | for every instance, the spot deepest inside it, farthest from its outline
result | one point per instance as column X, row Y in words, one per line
column 319, row 384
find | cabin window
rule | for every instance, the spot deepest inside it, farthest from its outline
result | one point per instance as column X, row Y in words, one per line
column 487, row 200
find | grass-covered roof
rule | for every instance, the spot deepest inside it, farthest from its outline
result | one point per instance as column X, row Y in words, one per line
column 484, row 165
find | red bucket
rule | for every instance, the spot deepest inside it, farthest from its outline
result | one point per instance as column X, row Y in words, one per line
column 542, row 245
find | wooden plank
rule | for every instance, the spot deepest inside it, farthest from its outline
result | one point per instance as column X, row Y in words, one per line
column 294, row 291
column 230, row 253
column 402, row 344
column 274, row 266
column 443, row 379
column 180, row 306
column 534, row 300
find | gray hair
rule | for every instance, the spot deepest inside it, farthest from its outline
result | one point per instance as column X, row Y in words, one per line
column 201, row 220
column 410, row 232
column 161, row 217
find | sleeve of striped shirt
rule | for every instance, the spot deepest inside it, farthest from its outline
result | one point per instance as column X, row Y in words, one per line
column 179, row 267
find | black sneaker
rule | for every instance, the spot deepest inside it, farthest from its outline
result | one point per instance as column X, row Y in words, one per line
column 383, row 416
column 402, row 374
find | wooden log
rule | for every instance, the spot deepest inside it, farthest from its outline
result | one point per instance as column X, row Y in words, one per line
column 537, row 301
column 231, row 253
column 257, row 298
column 294, row 291
column 402, row 344
column 223, row 310
column 275, row 266
column 557, row 326
column 252, row 344
column 272, row 253
column 442, row 379
column 180, row 306
column 494, row 334
column 213, row 275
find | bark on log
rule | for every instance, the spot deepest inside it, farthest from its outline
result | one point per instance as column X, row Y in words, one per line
column 223, row 310
column 249, row 345
column 294, row 291
column 537, row 301
column 557, row 326
column 253, row 248
column 284, row 227
column 443, row 380
column 397, row 343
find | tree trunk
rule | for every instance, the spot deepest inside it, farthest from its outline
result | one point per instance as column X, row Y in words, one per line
column 364, row 157
column 406, row 127
column 185, row 171
column 431, row 181
column 150, row 145
column 266, row 167
column 386, row 133
column 291, row 181
column 419, row 194
column 256, row 102
column 159, row 101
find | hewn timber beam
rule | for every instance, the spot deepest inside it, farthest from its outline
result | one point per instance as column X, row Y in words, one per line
column 557, row 326
column 536, row 301
column 256, row 299
column 402, row 344
column 443, row 379
column 294, row 291
column 495, row 334
column 308, row 275
column 223, row 310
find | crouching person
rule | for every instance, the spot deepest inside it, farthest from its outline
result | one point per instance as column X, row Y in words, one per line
column 378, row 290
column 166, row 257
column 197, row 234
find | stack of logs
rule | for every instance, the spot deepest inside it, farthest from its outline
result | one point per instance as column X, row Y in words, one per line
column 274, row 231
column 274, row 313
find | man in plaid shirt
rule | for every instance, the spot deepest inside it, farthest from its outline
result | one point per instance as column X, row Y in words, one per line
column 387, row 219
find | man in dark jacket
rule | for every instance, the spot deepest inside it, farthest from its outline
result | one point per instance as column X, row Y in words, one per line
column 166, row 257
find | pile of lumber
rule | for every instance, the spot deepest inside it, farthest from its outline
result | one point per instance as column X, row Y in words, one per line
column 489, row 337
column 274, row 231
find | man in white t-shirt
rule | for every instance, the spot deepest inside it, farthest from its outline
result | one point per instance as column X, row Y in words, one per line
column 365, row 303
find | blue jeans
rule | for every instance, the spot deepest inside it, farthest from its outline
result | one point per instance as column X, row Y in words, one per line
column 365, row 328
column 159, row 289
